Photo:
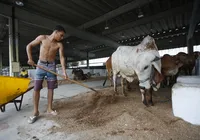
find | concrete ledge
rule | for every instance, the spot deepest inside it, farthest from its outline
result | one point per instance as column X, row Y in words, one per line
column 186, row 99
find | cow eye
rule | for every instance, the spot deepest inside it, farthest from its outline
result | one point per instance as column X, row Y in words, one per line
column 146, row 67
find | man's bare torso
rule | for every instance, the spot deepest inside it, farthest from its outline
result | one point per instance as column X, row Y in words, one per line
column 48, row 49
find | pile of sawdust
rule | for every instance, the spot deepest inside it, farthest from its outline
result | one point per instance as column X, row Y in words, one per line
column 97, row 116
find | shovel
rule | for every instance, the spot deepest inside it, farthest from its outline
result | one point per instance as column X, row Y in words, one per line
column 81, row 84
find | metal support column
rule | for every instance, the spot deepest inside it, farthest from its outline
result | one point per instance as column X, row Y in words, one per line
column 193, row 22
column 1, row 61
column 10, row 45
column 88, row 66
column 190, row 45
column 17, row 40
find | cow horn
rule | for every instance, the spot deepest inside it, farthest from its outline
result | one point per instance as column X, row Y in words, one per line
column 156, row 58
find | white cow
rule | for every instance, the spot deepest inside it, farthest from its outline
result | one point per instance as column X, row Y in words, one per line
column 141, row 61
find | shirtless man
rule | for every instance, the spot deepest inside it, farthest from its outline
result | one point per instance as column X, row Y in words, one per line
column 49, row 45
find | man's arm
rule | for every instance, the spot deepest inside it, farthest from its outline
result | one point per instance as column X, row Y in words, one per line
column 62, row 59
column 29, row 47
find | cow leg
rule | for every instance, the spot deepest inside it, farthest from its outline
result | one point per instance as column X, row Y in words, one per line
column 110, row 81
column 128, row 86
column 168, row 81
column 149, row 96
column 114, row 83
column 190, row 71
column 143, row 96
column 110, row 77
column 122, row 84
column 186, row 71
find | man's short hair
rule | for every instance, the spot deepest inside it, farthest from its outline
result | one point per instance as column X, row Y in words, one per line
column 59, row 28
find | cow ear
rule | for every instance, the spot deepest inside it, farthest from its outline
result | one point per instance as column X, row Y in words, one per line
column 157, row 65
column 156, row 59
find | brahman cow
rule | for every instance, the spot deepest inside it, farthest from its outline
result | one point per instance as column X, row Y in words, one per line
column 109, row 75
column 141, row 61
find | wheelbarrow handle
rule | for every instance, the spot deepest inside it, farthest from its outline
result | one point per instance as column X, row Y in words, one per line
column 62, row 76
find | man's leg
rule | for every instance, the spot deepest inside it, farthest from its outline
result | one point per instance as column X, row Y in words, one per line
column 51, row 84
column 39, row 76
column 36, row 99
column 50, row 100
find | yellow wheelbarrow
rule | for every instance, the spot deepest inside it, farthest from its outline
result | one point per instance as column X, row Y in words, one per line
column 11, row 88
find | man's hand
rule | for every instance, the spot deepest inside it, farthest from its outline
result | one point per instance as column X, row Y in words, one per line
column 31, row 62
column 66, row 77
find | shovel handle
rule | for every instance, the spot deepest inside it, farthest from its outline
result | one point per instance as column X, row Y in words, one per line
column 65, row 78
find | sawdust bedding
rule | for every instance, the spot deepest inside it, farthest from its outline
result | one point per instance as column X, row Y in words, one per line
column 103, row 116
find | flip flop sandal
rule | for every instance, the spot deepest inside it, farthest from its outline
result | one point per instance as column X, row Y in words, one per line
column 32, row 119
column 54, row 113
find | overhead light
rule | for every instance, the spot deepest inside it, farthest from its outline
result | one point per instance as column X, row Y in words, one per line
column 158, row 33
column 196, row 31
column 170, row 41
column 67, row 42
column 170, row 30
column 176, row 29
column 106, row 27
column 199, row 24
column 152, row 34
column 122, row 35
column 164, row 32
column 19, row 2
column 183, row 27
column 140, row 14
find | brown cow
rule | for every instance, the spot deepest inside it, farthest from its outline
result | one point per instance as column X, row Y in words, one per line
column 78, row 74
column 188, row 62
column 170, row 68
column 196, row 54
column 109, row 71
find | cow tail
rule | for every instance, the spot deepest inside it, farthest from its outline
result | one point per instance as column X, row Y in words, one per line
column 105, row 79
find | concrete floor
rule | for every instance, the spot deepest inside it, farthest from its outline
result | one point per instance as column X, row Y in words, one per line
column 14, row 125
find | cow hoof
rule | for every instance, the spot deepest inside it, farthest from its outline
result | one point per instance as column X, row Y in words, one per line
column 151, row 104
column 116, row 93
column 125, row 95
column 128, row 89
column 145, row 103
